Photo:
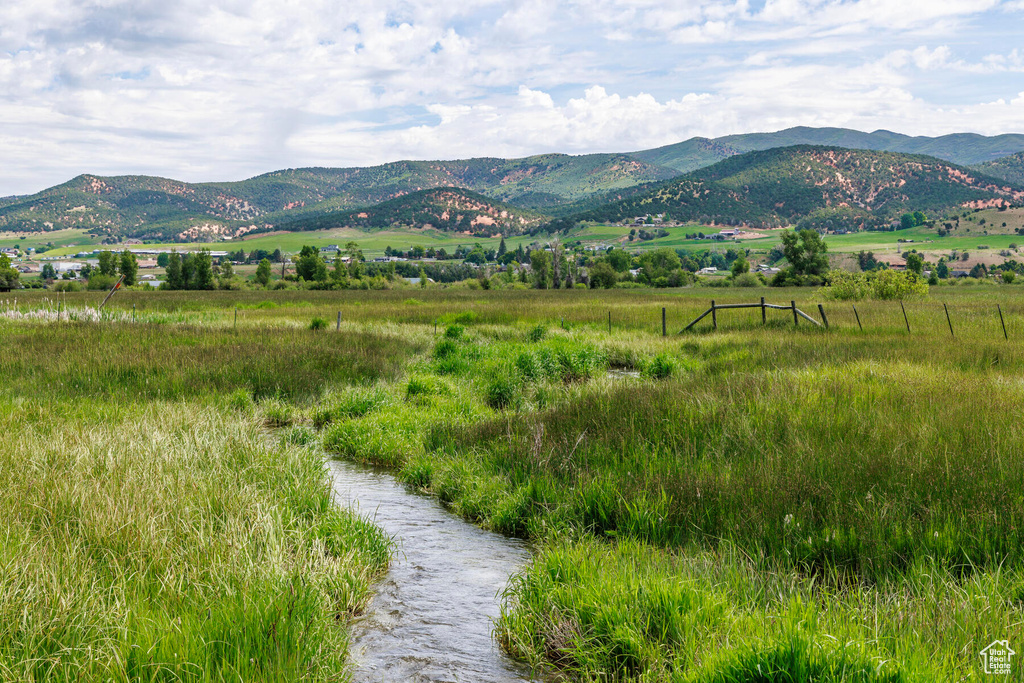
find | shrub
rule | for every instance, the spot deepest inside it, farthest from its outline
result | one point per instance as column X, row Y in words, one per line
column 746, row 280
column 454, row 331
column 536, row 333
column 889, row 285
column 846, row 286
column 317, row 324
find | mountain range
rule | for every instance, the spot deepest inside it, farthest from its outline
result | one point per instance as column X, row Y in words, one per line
column 728, row 179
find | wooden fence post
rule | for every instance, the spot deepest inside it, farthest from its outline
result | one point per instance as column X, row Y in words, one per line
column 133, row 312
column 338, row 328
column 236, row 317
column 950, row 322
column 905, row 319
column 609, row 322
column 793, row 305
column 664, row 332
column 1002, row 322
column 824, row 318
column 857, row 315
column 764, row 317
column 714, row 316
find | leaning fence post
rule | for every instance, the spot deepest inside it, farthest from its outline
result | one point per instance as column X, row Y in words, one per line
column 946, row 309
column 824, row 318
column 133, row 312
column 609, row 322
column 793, row 306
column 236, row 316
column 857, row 315
column 1002, row 322
column 664, row 332
column 714, row 316
column 764, row 318
column 905, row 319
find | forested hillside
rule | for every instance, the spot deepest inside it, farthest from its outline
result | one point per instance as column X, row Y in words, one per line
column 857, row 189
column 145, row 206
column 446, row 208
column 960, row 148
column 1010, row 168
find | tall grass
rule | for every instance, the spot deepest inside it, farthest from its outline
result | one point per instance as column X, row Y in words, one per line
column 170, row 541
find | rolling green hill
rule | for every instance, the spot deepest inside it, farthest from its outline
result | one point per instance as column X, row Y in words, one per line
column 960, row 148
column 160, row 208
column 1009, row 168
column 445, row 208
column 814, row 187
column 557, row 185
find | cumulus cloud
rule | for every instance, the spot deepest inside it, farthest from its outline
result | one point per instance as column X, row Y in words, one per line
column 204, row 90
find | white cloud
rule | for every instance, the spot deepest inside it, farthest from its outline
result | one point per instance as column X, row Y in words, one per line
column 207, row 90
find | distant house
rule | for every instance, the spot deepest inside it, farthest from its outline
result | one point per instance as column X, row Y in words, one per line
column 959, row 273
column 416, row 280
column 330, row 249
column 729, row 233
column 710, row 270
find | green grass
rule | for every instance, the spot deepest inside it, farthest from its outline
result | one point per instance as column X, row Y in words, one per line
column 152, row 530
column 753, row 503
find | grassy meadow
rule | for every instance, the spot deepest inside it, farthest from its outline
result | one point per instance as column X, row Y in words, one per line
column 757, row 502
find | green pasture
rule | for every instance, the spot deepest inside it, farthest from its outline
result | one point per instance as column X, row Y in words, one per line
column 762, row 501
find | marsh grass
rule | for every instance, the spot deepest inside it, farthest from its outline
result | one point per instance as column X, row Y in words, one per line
column 752, row 503
column 170, row 541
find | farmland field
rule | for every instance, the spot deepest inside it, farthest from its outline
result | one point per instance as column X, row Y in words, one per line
column 758, row 502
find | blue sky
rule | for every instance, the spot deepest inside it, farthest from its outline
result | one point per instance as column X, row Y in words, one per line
column 226, row 89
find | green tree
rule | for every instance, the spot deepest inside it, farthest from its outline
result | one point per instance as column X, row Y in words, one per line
column 915, row 263
column 203, row 278
column 942, row 270
column 277, row 256
column 660, row 262
column 108, row 263
column 919, row 218
column 263, row 272
column 602, row 275
column 309, row 263
column 188, row 271
column 175, row 276
column 163, row 259
column 739, row 266
column 9, row 275
column 48, row 272
column 805, row 251
column 501, row 247
column 619, row 260
column 129, row 268
column 227, row 272
column 540, row 262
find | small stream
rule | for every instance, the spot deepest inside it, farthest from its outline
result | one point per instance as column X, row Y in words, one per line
column 432, row 615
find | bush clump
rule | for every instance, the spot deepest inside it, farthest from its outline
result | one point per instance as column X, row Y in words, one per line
column 317, row 324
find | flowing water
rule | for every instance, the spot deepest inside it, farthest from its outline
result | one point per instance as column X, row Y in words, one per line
column 431, row 617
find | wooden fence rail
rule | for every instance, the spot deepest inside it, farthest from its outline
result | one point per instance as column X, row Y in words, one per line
column 713, row 312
